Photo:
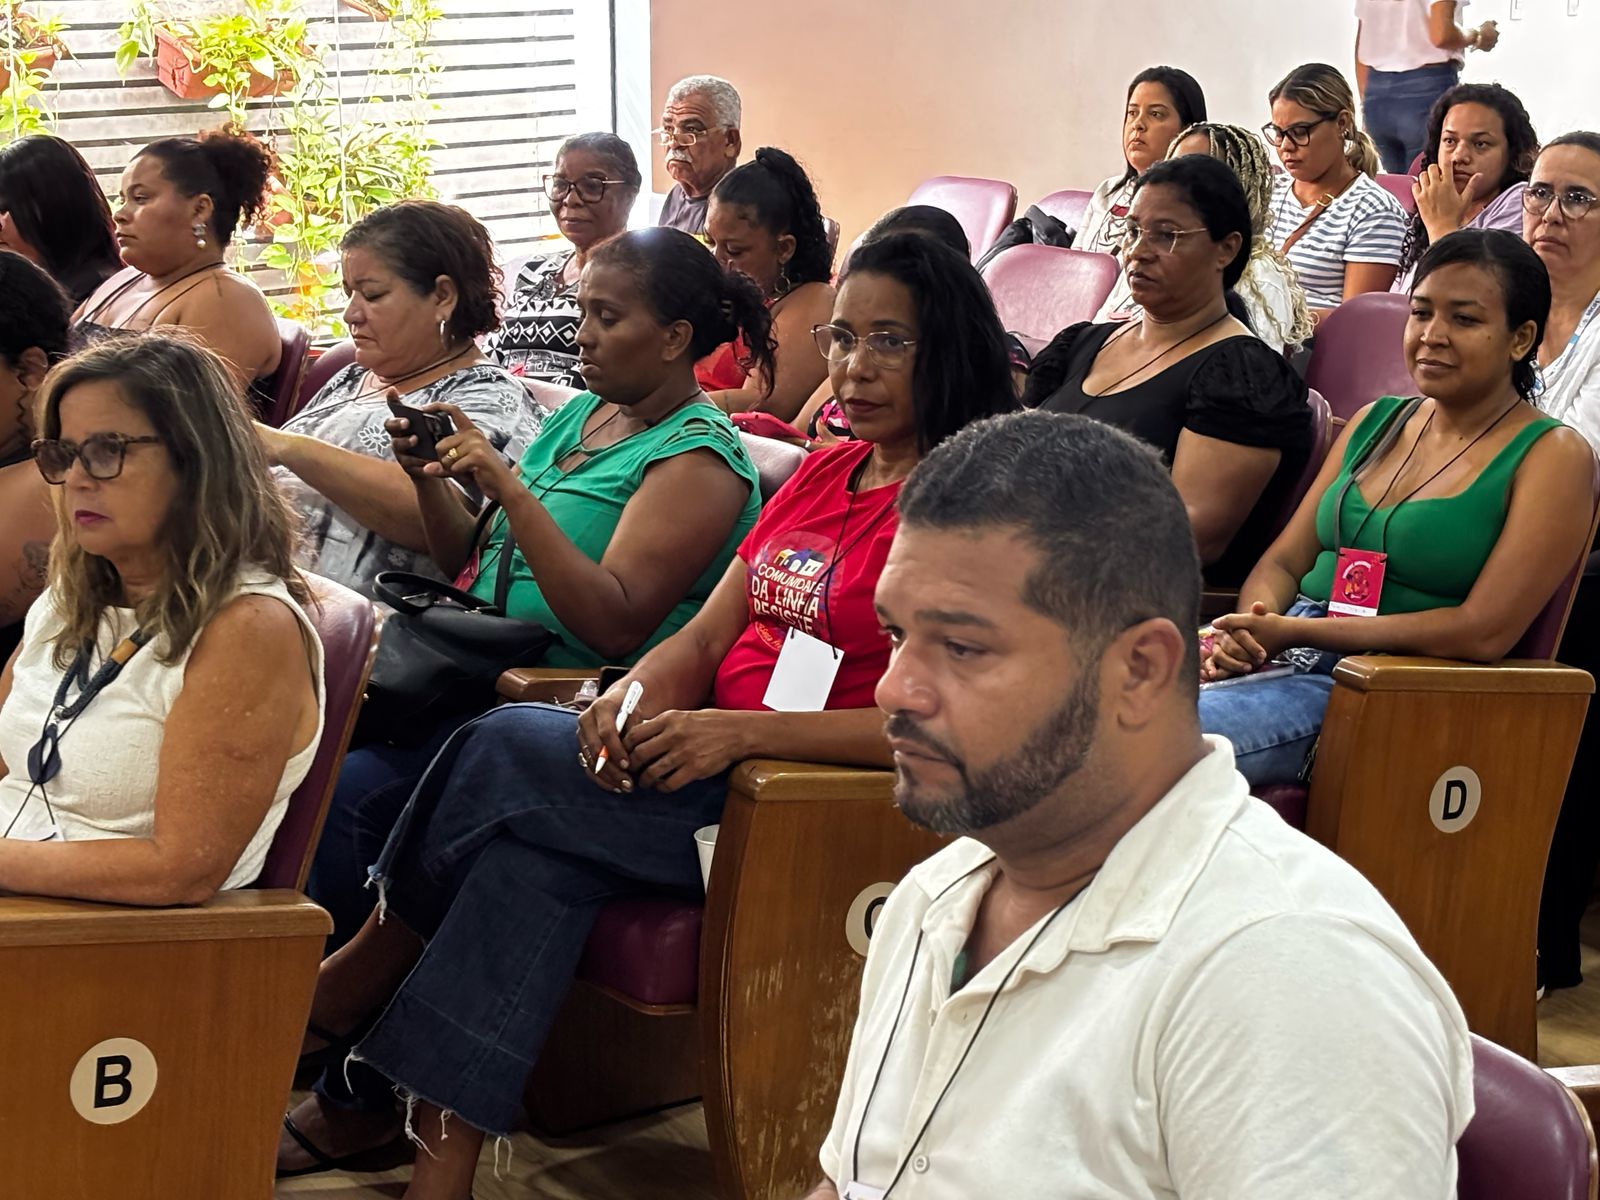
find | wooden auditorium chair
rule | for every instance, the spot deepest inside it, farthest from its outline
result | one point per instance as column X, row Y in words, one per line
column 983, row 206
column 284, row 398
column 1440, row 781
column 1040, row 290
column 1359, row 353
column 150, row 1051
column 1066, row 206
column 1531, row 1136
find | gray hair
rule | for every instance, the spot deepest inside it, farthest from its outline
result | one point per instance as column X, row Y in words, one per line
column 723, row 95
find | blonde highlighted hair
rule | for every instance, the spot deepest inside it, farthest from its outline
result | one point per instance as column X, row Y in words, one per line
column 227, row 515
column 1244, row 153
column 1324, row 91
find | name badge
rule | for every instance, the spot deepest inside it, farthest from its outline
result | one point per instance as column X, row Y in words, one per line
column 1357, row 583
column 861, row 1191
column 803, row 675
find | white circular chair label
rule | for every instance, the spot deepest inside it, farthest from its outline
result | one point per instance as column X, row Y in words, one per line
column 864, row 915
column 113, row 1081
column 1455, row 798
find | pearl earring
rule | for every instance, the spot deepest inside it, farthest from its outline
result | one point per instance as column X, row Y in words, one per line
column 199, row 235
column 444, row 341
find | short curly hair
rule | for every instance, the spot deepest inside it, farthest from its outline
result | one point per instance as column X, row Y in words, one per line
column 420, row 240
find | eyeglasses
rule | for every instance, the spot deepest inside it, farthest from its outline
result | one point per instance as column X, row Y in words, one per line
column 1162, row 241
column 1298, row 135
column 889, row 350
column 590, row 190
column 1574, row 203
column 102, row 455
column 682, row 137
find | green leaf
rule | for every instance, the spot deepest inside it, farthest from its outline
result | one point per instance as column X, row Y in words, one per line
column 127, row 54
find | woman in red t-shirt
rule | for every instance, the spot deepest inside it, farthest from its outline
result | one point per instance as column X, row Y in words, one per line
column 493, row 874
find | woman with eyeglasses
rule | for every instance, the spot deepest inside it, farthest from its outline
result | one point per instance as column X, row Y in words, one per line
column 764, row 222
column 1480, row 147
column 592, row 190
column 479, row 947
column 1561, row 221
column 1188, row 376
column 1340, row 230
column 1161, row 101
column 167, row 696
column 1271, row 293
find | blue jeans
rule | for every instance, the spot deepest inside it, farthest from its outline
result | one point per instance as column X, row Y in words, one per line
column 500, row 862
column 1272, row 723
column 1396, row 108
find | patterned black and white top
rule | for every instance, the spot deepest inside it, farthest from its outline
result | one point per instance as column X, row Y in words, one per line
column 537, row 335
column 349, row 415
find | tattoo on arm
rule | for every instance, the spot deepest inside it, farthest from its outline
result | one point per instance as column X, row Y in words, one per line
column 35, row 565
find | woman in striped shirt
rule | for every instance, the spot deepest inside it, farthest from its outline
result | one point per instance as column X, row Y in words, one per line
column 1340, row 230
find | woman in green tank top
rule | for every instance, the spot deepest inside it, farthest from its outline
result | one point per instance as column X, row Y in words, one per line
column 1439, row 525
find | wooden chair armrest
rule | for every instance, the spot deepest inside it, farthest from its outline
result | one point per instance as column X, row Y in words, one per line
column 1584, row 1083
column 1218, row 602
column 1385, row 673
column 805, row 857
column 773, row 781
column 543, row 685
column 228, row 916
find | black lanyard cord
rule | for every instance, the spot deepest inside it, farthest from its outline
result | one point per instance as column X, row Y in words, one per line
column 44, row 756
column 982, row 1020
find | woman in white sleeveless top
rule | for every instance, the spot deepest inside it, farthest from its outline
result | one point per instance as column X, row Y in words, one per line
column 161, row 780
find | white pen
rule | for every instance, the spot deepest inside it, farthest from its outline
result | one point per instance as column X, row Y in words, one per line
column 630, row 701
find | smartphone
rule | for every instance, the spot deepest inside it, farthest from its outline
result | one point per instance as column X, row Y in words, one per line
column 428, row 428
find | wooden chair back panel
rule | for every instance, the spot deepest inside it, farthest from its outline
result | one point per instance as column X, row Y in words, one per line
column 1392, row 759
column 217, row 994
column 803, row 851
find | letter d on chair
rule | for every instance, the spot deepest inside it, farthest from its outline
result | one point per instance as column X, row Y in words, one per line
column 1455, row 798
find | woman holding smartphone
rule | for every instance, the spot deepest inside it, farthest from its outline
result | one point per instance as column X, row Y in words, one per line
column 619, row 522
column 420, row 277
column 916, row 352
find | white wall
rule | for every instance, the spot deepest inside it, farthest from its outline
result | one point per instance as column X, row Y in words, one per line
column 875, row 97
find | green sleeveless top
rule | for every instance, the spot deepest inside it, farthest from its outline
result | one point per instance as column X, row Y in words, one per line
column 1436, row 546
column 587, row 503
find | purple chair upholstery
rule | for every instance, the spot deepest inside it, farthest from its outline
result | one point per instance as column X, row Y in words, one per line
column 1529, row 1138
column 1040, row 290
column 1321, row 443
column 326, row 365
column 1399, row 186
column 775, row 461
column 983, row 206
column 1543, row 637
column 284, row 397
column 1359, row 353
column 348, row 625
column 1067, row 206
column 647, row 948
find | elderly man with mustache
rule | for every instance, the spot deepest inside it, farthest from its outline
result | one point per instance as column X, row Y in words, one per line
column 700, row 132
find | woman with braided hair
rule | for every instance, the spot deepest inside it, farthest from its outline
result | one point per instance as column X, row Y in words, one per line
column 763, row 221
column 1269, row 289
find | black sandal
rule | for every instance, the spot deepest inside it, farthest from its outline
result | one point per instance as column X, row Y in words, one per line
column 378, row 1158
column 337, row 1049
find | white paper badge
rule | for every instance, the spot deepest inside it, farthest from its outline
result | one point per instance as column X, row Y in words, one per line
column 861, row 1191
column 803, row 675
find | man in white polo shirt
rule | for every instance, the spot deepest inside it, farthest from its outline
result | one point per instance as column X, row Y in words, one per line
column 1130, row 979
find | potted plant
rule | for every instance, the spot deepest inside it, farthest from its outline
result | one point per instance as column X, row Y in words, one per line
column 257, row 50
column 378, row 10
column 30, row 41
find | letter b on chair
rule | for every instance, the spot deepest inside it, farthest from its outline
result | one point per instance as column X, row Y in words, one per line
column 113, row 1081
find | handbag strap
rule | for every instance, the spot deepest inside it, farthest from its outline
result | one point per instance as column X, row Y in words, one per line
column 1317, row 210
column 502, row 572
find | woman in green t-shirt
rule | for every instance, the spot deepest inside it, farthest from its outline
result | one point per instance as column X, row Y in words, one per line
column 622, row 515
column 1438, row 526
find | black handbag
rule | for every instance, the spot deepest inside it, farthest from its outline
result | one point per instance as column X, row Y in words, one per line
column 442, row 651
